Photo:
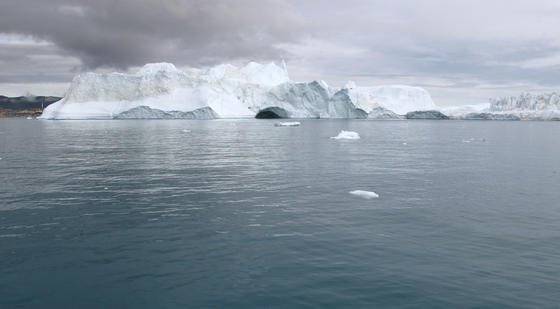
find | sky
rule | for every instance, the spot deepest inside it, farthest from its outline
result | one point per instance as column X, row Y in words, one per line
column 462, row 52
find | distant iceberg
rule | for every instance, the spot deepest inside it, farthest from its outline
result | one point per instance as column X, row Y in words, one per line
column 523, row 107
column 160, row 90
column 528, row 106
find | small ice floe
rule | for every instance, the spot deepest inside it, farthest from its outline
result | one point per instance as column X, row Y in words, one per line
column 364, row 194
column 185, row 131
column 11, row 235
column 472, row 139
column 287, row 124
column 405, row 144
column 347, row 135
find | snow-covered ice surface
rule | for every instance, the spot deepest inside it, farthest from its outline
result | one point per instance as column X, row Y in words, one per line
column 160, row 90
column 347, row 135
column 364, row 194
column 288, row 124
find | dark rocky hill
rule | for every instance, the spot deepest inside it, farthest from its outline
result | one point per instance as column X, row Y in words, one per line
column 22, row 103
column 24, row 106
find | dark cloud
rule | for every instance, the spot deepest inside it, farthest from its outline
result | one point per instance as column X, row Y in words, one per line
column 31, row 61
column 124, row 33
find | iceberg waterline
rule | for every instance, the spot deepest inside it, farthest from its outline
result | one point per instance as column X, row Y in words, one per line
column 160, row 90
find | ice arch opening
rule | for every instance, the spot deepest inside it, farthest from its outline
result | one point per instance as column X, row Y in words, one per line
column 272, row 113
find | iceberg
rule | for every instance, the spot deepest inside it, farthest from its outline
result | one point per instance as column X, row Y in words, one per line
column 524, row 107
column 527, row 102
column 347, row 135
column 364, row 194
column 528, row 106
column 399, row 99
column 458, row 111
column 162, row 91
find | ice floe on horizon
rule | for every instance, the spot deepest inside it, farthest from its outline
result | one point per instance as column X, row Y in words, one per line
column 287, row 124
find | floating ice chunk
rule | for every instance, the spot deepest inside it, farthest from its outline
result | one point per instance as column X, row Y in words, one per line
column 287, row 124
column 472, row 139
column 347, row 135
column 185, row 131
column 364, row 194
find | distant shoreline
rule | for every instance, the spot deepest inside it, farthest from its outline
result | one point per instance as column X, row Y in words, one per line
column 22, row 107
column 20, row 113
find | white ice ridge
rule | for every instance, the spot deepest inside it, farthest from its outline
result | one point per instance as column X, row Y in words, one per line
column 526, row 106
column 227, row 91
column 529, row 106
column 364, row 194
column 347, row 135
column 527, row 102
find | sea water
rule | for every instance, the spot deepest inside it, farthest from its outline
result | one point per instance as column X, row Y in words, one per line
column 240, row 213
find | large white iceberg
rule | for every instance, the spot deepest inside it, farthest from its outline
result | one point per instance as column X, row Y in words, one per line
column 161, row 90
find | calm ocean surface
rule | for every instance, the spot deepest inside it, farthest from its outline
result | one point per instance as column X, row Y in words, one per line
column 239, row 213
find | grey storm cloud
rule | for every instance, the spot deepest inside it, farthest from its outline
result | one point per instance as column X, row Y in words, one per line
column 124, row 33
